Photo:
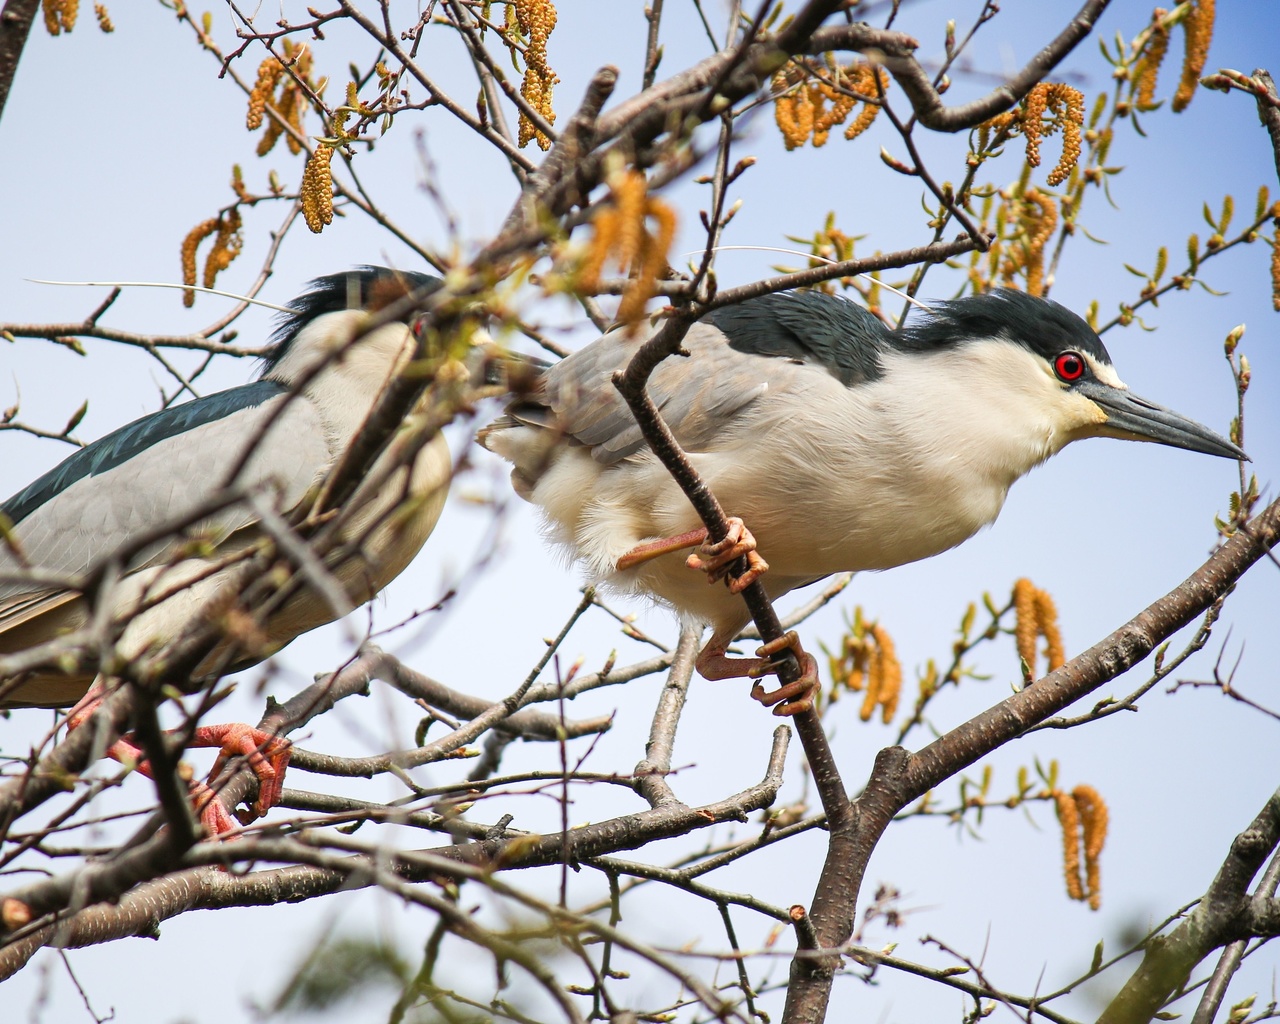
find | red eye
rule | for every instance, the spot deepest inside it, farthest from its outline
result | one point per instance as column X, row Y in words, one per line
column 1069, row 366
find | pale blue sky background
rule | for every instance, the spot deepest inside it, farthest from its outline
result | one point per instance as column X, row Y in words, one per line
column 116, row 145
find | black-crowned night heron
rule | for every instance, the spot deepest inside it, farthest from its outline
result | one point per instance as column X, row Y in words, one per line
column 841, row 444
column 286, row 431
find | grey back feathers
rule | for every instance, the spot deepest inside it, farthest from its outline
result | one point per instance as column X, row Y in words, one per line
column 811, row 327
column 118, row 447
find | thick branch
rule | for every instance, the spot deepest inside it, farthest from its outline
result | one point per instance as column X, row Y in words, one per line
column 1097, row 666
column 15, row 27
column 140, row 911
column 1269, row 111
column 929, row 109
column 1220, row 917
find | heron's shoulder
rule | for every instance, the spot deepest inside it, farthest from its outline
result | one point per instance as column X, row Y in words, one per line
column 809, row 327
column 121, row 445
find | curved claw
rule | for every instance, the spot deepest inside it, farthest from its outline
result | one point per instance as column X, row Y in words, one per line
column 716, row 558
column 789, row 698
column 213, row 815
column 266, row 754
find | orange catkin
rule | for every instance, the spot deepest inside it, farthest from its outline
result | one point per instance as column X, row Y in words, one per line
column 1025, row 626
column 1199, row 33
column 1069, row 818
column 1148, row 70
column 189, row 245
column 1094, row 818
column 316, row 192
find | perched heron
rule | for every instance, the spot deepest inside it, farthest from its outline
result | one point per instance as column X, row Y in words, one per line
column 161, row 478
column 839, row 443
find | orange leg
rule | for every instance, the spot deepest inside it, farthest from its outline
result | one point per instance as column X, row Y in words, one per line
column 268, row 757
column 788, row 699
column 716, row 559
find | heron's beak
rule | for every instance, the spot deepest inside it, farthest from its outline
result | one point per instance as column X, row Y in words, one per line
column 1136, row 419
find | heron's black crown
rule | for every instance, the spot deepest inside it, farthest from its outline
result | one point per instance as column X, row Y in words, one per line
column 848, row 341
column 1040, row 325
column 364, row 287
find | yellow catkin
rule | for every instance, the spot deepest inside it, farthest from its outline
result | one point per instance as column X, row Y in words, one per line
column 226, row 247
column 1152, row 57
column 269, row 72
column 1026, row 626
column 1064, row 106
column 603, row 241
column 104, row 18
column 1069, row 818
column 809, row 110
column 1199, row 34
column 786, row 115
column 1275, row 272
column 849, row 670
column 621, row 234
column 875, row 681
column 60, row 15
column 629, row 190
column 825, row 117
column 653, row 260
column 537, row 20
column 1067, row 104
column 292, row 104
column 316, row 192
column 1047, row 620
column 1094, row 818
column 866, row 78
column 1039, row 221
column 269, row 137
column 189, row 245
column 859, row 654
column 890, row 673
column 1033, row 108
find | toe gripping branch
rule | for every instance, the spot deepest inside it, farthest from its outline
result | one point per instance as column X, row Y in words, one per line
column 267, row 756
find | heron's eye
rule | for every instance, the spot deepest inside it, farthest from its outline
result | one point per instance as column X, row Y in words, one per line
column 1069, row 366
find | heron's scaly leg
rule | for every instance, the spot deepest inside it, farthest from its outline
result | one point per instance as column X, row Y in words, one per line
column 788, row 699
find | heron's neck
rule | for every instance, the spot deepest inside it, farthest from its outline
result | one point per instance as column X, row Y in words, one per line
column 341, row 370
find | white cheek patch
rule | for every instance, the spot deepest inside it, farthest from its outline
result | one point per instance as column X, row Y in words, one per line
column 1105, row 372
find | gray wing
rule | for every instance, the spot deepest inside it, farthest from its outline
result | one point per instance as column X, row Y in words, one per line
column 696, row 394
column 157, row 470
column 736, row 354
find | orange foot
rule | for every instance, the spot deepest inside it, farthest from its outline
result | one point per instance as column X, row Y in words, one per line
column 267, row 754
column 715, row 558
column 789, row 698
